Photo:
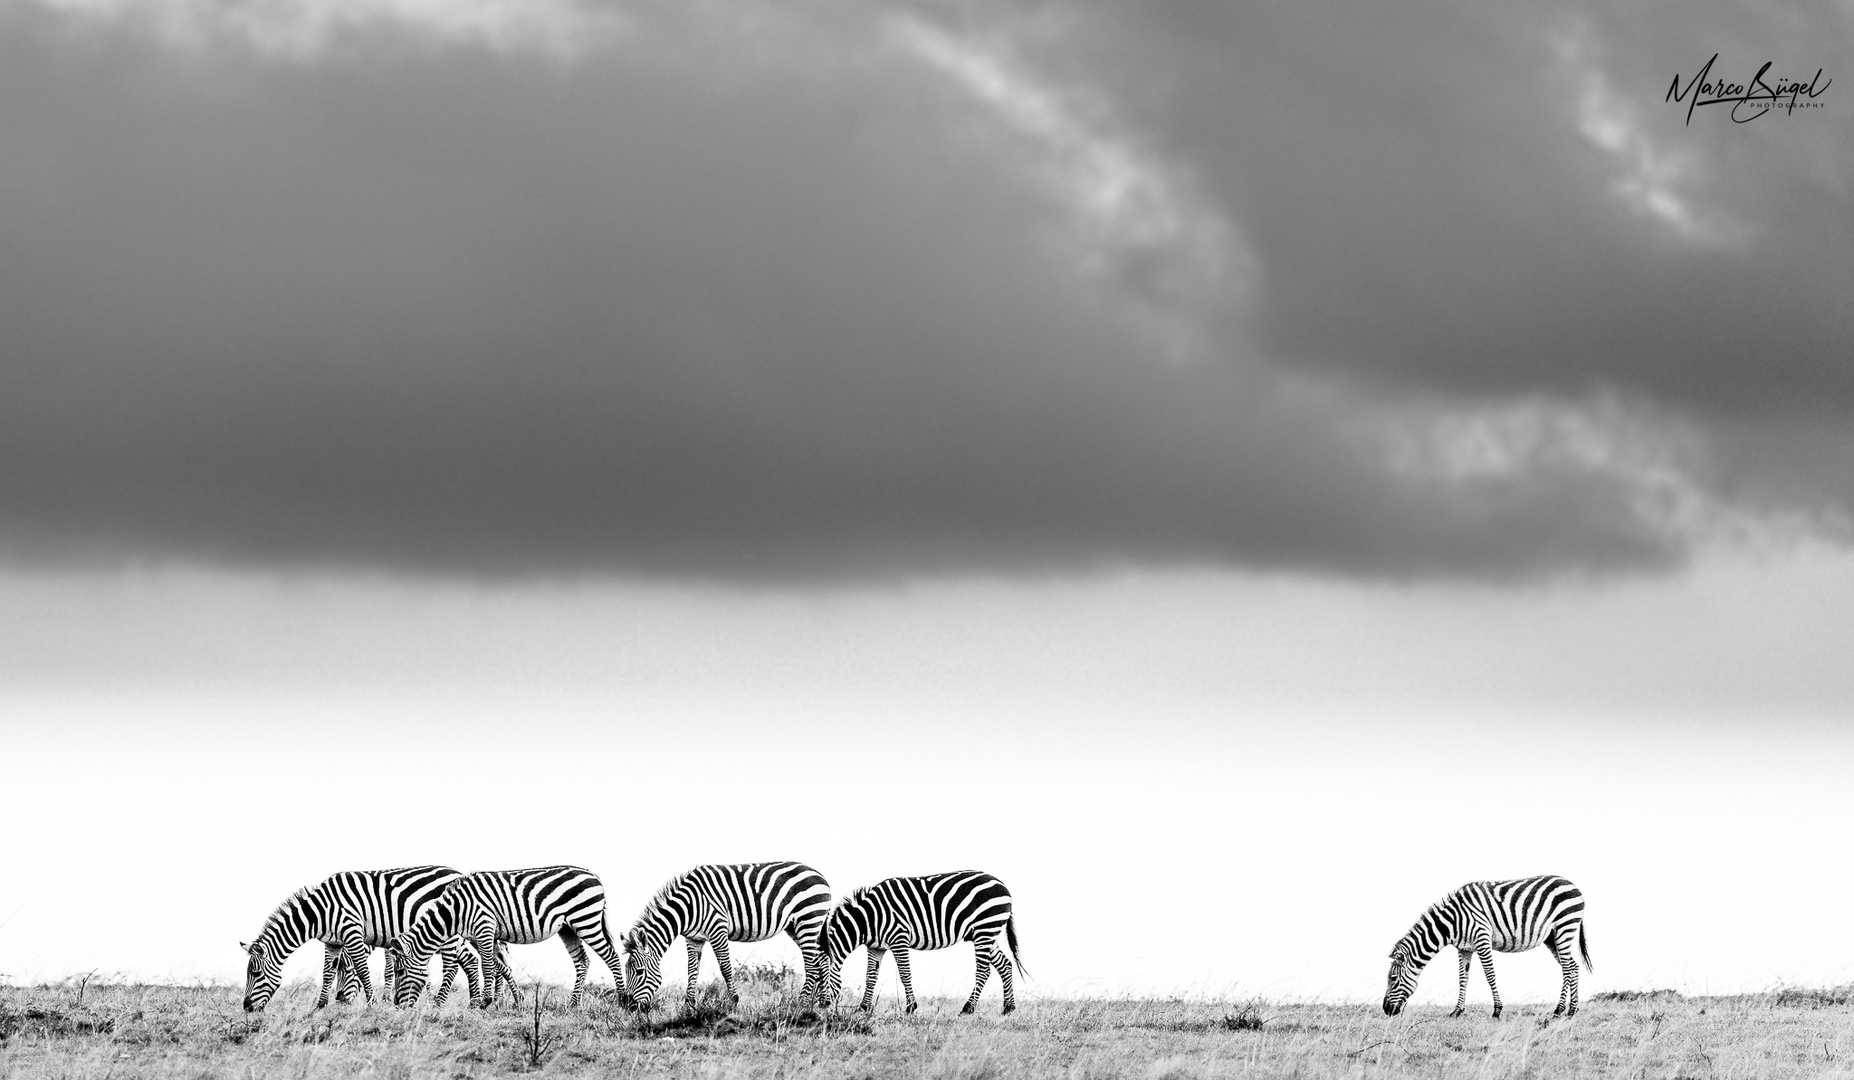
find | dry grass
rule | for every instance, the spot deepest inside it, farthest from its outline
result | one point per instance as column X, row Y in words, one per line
column 165, row 1031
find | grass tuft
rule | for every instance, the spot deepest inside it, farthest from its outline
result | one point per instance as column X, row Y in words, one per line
column 1638, row 995
column 1813, row 997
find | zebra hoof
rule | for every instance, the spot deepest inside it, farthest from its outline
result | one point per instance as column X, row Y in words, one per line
column 1009, row 1008
column 1454, row 1014
column 969, row 1009
column 912, row 1007
column 1496, row 1014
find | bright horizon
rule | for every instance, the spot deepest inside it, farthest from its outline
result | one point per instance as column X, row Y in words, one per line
column 1302, row 818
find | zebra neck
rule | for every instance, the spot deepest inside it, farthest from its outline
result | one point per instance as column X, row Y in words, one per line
column 1435, row 929
column 302, row 917
column 672, row 912
column 660, row 928
column 441, row 921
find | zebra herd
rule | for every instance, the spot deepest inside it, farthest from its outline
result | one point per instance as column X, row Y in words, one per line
column 415, row 912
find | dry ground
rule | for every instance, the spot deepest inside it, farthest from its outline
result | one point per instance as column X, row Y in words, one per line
column 165, row 1031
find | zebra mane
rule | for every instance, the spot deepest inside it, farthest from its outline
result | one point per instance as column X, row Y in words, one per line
column 657, row 907
column 1435, row 918
column 278, row 920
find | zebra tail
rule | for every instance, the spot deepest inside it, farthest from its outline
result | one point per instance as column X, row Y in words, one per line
column 1583, row 946
column 1010, row 935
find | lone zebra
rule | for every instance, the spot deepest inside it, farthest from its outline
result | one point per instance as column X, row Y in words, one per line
column 723, row 903
column 521, row 907
column 351, row 914
column 1483, row 917
column 931, row 912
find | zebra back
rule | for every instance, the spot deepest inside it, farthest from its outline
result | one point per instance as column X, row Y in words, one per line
column 758, row 900
column 938, row 909
column 525, row 906
column 1519, row 909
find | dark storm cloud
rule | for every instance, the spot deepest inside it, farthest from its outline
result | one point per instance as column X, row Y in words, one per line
column 667, row 307
column 1498, row 199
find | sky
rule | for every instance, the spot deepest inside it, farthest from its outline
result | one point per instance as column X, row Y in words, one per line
column 1235, row 471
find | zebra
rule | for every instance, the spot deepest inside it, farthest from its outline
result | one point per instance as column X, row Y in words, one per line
column 1484, row 916
column 936, row 911
column 351, row 913
column 723, row 903
column 518, row 906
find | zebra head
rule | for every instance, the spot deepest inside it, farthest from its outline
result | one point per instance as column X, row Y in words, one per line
column 643, row 966
column 263, row 973
column 1401, row 982
column 409, row 974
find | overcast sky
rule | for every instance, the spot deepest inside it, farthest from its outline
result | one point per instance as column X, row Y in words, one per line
column 1362, row 411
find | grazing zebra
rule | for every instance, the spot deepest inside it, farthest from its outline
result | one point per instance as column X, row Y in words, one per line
column 1483, row 917
column 517, row 906
column 719, row 904
column 351, row 913
column 932, row 912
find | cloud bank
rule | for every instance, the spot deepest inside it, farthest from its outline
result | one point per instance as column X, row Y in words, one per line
column 832, row 290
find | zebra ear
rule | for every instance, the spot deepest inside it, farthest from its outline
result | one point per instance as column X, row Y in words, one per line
column 245, row 946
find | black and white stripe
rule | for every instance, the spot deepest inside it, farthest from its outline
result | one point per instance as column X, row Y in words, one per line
column 1485, row 917
column 931, row 912
column 520, row 907
column 351, row 914
column 723, row 903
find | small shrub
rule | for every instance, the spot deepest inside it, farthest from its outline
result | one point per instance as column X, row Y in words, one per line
column 1247, row 1017
column 539, row 1043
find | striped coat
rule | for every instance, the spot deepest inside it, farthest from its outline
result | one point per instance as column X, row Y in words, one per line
column 351, row 914
column 723, row 903
column 936, row 911
column 1485, row 917
column 520, row 907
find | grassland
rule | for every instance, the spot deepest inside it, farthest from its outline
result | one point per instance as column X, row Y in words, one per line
column 80, row 1033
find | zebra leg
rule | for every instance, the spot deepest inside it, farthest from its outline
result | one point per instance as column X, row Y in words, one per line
column 505, row 973
column 578, row 953
column 1461, row 996
column 1487, row 966
column 330, row 969
column 599, row 937
column 389, row 976
column 1567, row 997
column 456, row 957
column 907, row 981
column 355, row 951
column 719, row 945
column 983, row 956
column 1003, row 963
column 875, row 968
column 811, row 959
column 345, row 984
column 484, row 938
column 694, row 947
